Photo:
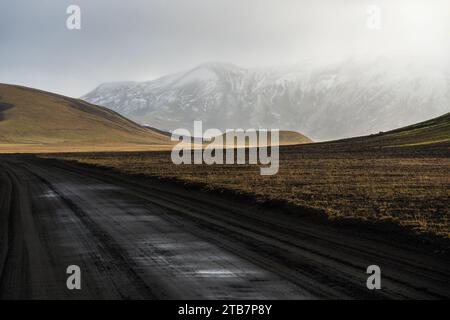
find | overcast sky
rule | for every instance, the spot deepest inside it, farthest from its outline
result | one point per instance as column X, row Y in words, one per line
column 144, row 39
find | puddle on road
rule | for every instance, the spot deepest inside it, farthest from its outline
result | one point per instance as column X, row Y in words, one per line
column 48, row 194
column 215, row 273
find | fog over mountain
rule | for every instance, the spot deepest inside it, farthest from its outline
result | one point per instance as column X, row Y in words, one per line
column 324, row 100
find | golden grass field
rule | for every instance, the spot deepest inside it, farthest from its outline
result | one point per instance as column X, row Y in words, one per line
column 401, row 176
column 58, row 148
column 408, row 186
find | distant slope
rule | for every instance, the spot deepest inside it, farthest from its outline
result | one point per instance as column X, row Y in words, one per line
column 436, row 130
column 162, row 132
column 285, row 138
column 293, row 137
column 431, row 132
column 30, row 117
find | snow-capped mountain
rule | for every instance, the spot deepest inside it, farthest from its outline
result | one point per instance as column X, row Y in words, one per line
column 322, row 100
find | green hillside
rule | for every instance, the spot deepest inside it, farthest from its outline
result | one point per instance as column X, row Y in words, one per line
column 34, row 117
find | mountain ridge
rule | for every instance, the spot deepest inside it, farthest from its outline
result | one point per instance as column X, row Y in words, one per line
column 325, row 102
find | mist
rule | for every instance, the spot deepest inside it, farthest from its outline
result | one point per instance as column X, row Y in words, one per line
column 142, row 40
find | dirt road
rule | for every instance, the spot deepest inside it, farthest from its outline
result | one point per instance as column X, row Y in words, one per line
column 135, row 239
